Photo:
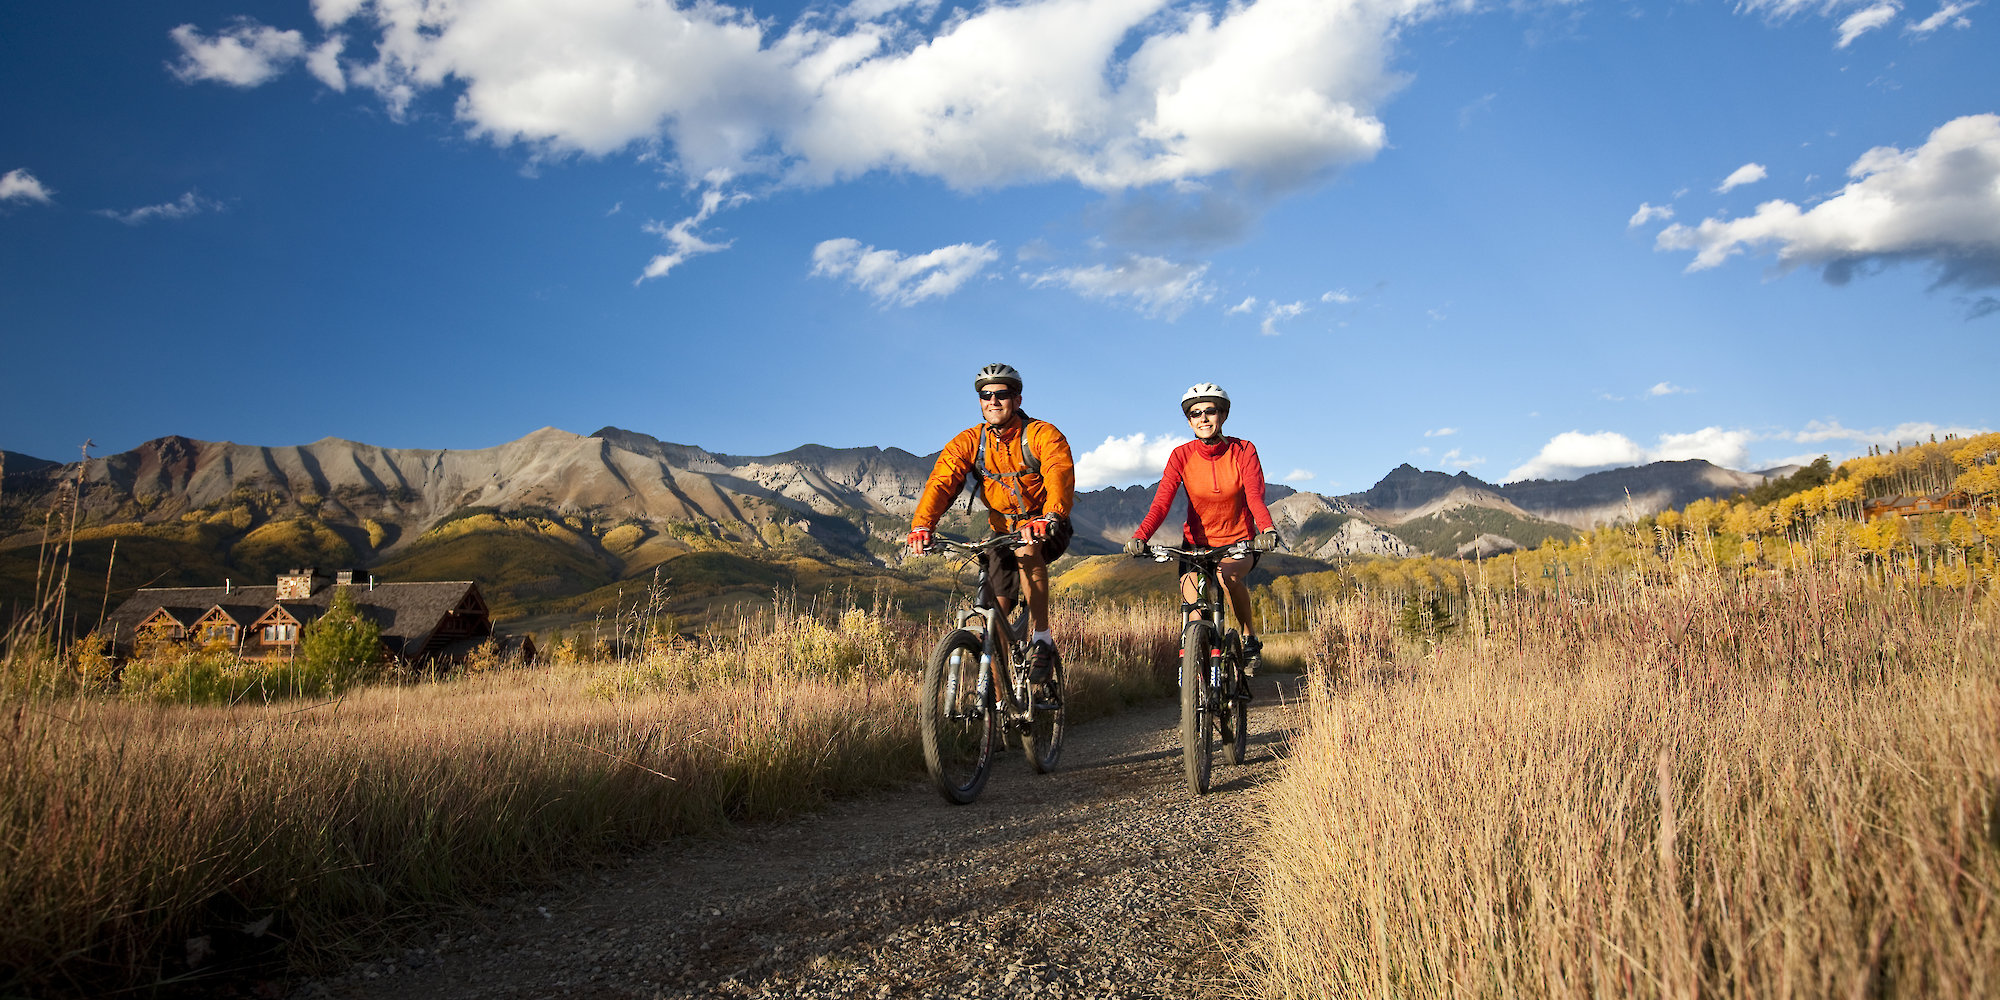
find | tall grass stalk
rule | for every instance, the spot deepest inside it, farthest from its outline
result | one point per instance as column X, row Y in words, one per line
column 1772, row 788
column 128, row 828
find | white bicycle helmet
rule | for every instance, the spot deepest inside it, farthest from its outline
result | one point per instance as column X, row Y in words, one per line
column 1004, row 374
column 1205, row 392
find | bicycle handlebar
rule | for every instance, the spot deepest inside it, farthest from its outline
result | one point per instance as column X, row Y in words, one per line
column 1160, row 553
column 963, row 547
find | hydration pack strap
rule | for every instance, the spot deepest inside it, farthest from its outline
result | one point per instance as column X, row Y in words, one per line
column 981, row 470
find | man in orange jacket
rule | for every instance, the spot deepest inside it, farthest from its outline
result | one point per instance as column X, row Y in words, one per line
column 1028, row 481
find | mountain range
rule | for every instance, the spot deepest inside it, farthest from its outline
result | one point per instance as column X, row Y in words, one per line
column 556, row 522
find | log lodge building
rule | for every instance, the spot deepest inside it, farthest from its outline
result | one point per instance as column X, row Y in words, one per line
column 436, row 623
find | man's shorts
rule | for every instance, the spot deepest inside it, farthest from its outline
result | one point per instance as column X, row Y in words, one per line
column 1003, row 571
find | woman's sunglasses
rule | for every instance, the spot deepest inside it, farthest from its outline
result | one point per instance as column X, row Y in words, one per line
column 993, row 394
column 1206, row 411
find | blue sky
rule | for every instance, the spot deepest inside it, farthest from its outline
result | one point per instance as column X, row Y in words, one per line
column 1525, row 239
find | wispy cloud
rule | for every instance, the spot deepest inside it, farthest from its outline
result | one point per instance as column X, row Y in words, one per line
column 1821, row 431
column 1340, row 296
column 683, row 242
column 1666, row 389
column 1950, row 14
column 1128, row 460
column 20, row 185
column 189, row 204
column 1299, row 476
column 1441, row 432
column 1648, row 212
column 1456, row 459
column 896, row 279
column 1243, row 307
column 1279, row 312
column 1155, row 286
column 1866, row 20
column 1749, row 173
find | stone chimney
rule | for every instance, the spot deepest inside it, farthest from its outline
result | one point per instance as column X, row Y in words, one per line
column 298, row 584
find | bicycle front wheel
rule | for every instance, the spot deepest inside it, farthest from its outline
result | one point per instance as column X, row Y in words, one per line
column 1042, row 739
column 959, row 729
column 1197, row 737
column 1232, row 714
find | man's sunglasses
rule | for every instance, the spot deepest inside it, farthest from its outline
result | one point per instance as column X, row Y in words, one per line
column 997, row 394
column 1206, row 411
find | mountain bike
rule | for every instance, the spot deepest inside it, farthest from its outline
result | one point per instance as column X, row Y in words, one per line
column 978, row 681
column 1215, row 696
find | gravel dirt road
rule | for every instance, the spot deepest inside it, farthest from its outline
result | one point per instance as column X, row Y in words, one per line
column 1106, row 879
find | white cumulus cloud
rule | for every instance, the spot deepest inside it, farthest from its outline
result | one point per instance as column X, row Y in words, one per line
column 1574, row 453
column 1749, row 173
column 895, row 279
column 1134, row 458
column 1155, row 285
column 245, row 54
column 1112, row 94
column 1243, row 307
column 20, row 185
column 1865, row 20
column 1666, row 389
column 1938, row 203
column 1340, row 296
column 1299, row 476
column 186, row 205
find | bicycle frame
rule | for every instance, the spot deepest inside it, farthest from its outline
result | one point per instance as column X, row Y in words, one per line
column 994, row 656
column 1213, row 689
column 959, row 728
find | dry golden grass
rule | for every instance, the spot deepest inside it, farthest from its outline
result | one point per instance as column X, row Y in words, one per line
column 1773, row 788
column 128, row 829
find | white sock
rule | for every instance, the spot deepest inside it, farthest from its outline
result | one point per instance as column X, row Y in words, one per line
column 1043, row 636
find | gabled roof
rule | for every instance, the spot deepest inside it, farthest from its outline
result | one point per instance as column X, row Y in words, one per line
column 408, row 613
column 183, row 617
column 236, row 612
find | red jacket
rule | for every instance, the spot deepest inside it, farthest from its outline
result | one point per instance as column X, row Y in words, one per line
column 1225, row 490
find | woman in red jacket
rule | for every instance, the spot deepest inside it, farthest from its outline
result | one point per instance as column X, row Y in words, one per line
column 1224, row 481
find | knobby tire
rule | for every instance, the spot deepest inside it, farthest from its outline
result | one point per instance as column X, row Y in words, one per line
column 958, row 734
column 1042, row 738
column 1197, row 743
column 1234, row 719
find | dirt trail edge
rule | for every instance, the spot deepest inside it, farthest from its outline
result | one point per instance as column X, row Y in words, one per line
column 1101, row 880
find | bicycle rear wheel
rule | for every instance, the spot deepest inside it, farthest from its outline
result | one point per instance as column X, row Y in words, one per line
column 1042, row 738
column 958, row 730
column 1232, row 718
column 1197, row 737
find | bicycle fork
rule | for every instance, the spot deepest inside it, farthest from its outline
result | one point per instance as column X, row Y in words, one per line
column 982, row 692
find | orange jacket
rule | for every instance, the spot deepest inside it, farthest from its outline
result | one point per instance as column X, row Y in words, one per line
column 1009, row 499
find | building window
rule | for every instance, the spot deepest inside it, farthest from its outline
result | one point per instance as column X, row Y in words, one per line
column 281, row 633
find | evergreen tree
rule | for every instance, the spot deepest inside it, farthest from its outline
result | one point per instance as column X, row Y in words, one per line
column 341, row 643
